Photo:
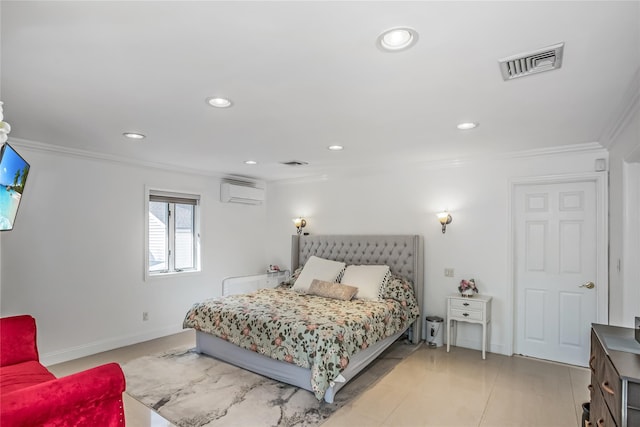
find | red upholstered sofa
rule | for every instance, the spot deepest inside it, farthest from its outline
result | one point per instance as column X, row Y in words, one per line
column 31, row 396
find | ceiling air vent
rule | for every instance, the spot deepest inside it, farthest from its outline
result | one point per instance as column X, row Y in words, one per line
column 295, row 163
column 537, row 61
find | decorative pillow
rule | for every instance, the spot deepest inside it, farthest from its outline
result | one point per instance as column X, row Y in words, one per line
column 401, row 290
column 332, row 290
column 318, row 268
column 369, row 279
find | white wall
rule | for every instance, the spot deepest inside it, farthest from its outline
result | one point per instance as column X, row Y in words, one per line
column 631, row 245
column 406, row 200
column 75, row 259
column 624, row 215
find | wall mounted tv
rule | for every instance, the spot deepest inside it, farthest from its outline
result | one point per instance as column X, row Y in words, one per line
column 13, row 175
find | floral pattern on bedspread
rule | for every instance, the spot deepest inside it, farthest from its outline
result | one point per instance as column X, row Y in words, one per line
column 312, row 332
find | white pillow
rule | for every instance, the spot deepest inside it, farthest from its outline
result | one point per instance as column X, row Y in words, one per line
column 318, row 268
column 369, row 280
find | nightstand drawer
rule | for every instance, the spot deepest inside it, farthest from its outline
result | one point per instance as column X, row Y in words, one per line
column 466, row 304
column 467, row 314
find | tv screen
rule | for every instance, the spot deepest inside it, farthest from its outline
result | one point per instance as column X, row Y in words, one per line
column 13, row 175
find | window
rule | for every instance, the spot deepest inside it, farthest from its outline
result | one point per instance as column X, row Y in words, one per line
column 173, row 236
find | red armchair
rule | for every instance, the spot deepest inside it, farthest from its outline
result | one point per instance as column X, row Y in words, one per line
column 31, row 396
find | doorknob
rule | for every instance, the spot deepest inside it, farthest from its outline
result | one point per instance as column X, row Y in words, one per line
column 588, row 285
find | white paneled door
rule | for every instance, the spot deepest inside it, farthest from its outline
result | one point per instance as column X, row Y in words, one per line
column 555, row 270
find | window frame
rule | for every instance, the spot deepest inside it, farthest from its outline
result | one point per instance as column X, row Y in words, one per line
column 172, row 196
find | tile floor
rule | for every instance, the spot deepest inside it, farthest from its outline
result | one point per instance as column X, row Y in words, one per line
column 429, row 388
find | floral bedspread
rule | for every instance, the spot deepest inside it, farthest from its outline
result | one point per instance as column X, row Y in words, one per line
column 313, row 332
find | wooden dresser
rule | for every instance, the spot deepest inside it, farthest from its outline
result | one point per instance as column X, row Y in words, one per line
column 615, row 377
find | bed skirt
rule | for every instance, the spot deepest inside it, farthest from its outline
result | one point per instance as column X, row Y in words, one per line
column 286, row 372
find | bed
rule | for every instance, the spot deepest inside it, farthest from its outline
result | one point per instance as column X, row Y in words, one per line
column 316, row 367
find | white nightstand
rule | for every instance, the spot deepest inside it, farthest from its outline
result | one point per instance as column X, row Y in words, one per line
column 476, row 309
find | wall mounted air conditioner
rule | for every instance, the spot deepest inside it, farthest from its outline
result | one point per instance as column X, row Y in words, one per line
column 241, row 193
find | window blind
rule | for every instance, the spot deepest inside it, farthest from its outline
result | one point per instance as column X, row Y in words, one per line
column 170, row 197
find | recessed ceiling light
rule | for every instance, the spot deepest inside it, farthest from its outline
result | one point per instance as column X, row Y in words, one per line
column 397, row 39
column 134, row 135
column 467, row 125
column 219, row 102
column 250, row 162
column 335, row 147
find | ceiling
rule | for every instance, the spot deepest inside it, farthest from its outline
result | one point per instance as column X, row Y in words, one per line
column 304, row 75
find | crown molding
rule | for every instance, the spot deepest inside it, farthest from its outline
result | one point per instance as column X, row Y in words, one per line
column 629, row 107
column 85, row 154
column 588, row 147
column 571, row 149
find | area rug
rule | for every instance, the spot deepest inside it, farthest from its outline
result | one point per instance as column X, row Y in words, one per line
column 194, row 390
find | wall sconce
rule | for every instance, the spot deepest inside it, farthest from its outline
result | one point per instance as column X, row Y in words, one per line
column 300, row 223
column 444, row 218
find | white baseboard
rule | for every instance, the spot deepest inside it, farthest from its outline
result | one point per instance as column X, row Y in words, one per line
column 474, row 345
column 95, row 347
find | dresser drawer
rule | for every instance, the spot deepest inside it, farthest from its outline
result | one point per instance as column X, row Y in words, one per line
column 633, row 395
column 599, row 413
column 611, row 387
column 596, row 361
column 466, row 315
column 633, row 404
column 466, row 304
column 633, row 417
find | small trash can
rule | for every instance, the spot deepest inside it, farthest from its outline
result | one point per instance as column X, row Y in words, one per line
column 434, row 331
column 585, row 413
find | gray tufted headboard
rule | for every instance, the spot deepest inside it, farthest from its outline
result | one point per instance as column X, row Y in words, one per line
column 402, row 253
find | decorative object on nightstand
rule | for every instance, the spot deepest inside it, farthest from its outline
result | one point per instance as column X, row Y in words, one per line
column 462, row 309
column 467, row 288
